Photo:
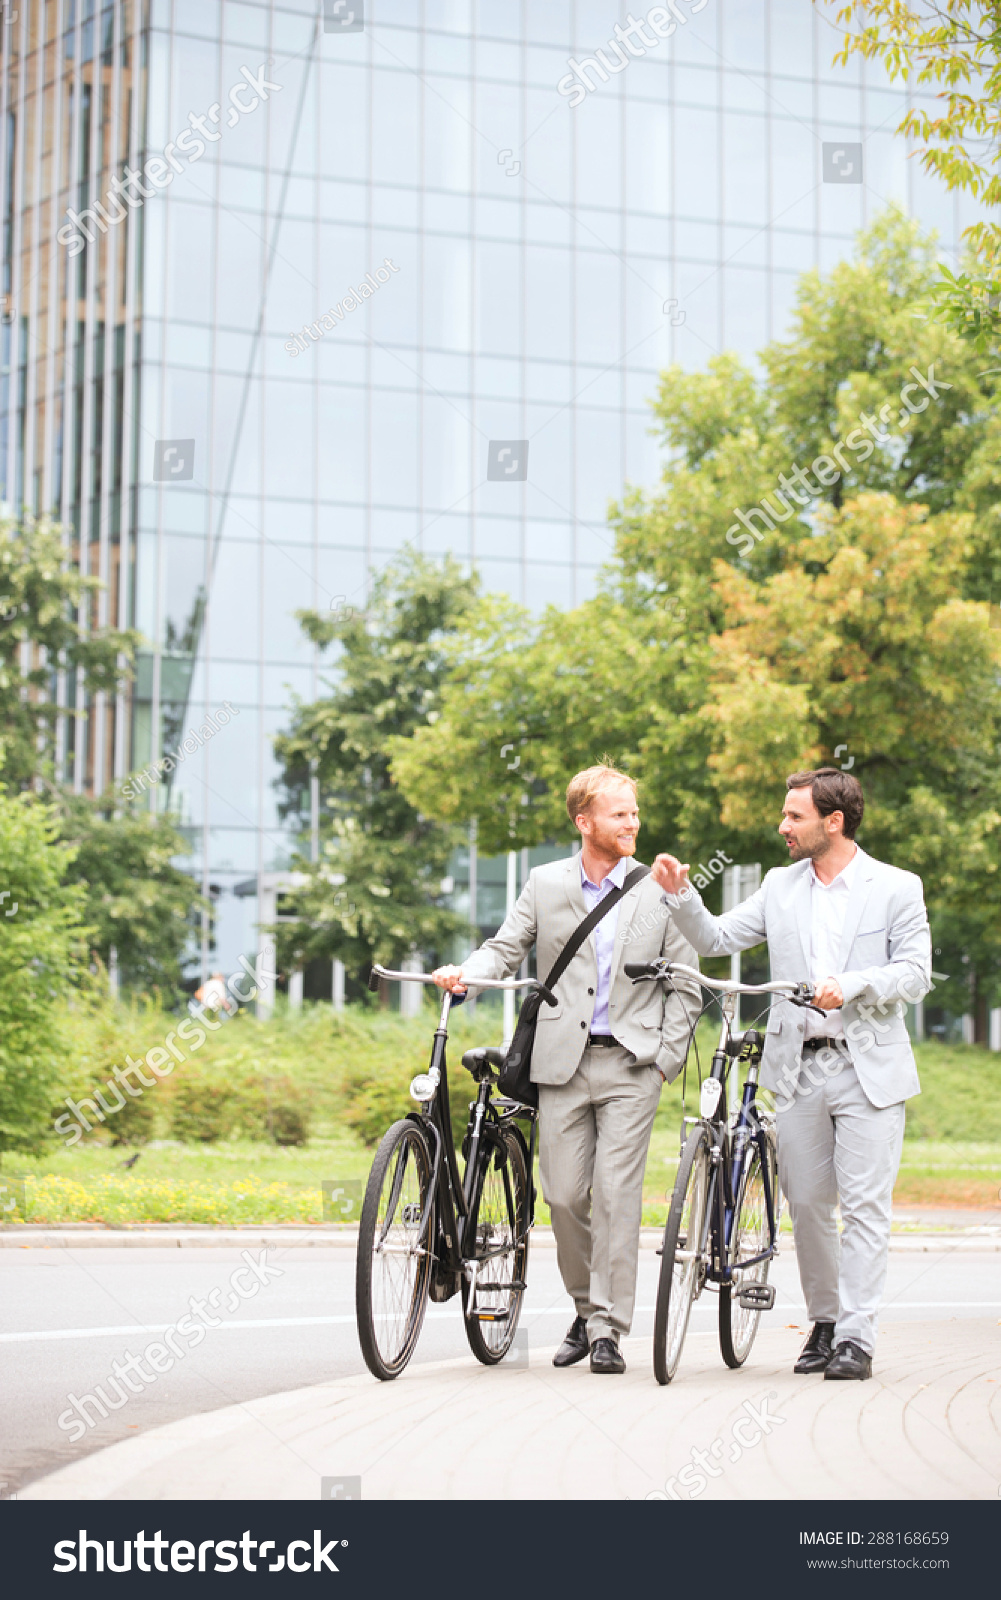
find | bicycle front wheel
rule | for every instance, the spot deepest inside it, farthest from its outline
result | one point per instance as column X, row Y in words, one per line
column 501, row 1260
column 682, row 1267
column 393, row 1272
column 738, row 1324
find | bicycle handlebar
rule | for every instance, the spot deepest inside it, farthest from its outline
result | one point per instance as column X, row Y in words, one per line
column 471, row 983
column 800, row 994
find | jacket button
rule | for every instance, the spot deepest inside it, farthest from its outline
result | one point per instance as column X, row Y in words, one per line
column 590, row 991
column 583, row 1024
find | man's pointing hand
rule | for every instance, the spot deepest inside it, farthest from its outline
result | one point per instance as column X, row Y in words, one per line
column 671, row 874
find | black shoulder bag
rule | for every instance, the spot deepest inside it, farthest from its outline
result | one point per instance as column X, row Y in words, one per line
column 515, row 1076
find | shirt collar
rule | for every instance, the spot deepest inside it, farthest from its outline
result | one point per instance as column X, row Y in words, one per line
column 845, row 878
column 615, row 877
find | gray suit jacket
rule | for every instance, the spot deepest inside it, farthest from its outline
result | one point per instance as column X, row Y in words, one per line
column 885, row 961
column 653, row 1025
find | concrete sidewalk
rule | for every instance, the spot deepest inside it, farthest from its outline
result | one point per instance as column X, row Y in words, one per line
column 925, row 1427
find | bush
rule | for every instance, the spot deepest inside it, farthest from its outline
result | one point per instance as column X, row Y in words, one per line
column 100, row 1034
column 299, row 1074
column 40, row 951
column 272, row 1108
column 289, row 1124
column 201, row 1108
column 375, row 1101
column 135, row 1123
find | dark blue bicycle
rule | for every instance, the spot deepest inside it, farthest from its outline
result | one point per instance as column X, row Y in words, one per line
column 723, row 1220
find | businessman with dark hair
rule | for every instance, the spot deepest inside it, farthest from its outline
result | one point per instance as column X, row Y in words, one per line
column 857, row 929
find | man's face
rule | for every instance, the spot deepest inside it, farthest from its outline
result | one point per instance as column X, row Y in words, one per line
column 804, row 830
column 613, row 822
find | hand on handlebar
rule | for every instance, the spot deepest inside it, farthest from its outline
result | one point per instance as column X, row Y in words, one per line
column 449, row 978
column 827, row 994
column 671, row 874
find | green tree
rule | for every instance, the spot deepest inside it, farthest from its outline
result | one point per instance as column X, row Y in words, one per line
column 955, row 45
column 714, row 661
column 375, row 893
column 47, row 621
column 137, row 902
column 42, row 946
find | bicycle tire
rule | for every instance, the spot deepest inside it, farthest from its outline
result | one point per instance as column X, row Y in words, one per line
column 738, row 1325
column 393, row 1270
column 495, row 1217
column 677, row 1289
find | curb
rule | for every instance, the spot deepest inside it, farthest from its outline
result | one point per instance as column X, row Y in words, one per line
column 340, row 1235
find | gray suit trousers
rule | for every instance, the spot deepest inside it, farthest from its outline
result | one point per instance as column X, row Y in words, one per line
column 594, row 1132
column 834, row 1144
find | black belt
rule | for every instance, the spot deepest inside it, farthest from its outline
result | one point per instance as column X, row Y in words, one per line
column 821, row 1044
column 603, row 1040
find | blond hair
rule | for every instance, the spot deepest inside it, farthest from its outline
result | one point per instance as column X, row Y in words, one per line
column 585, row 787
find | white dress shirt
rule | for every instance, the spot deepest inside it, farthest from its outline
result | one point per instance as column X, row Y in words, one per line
column 603, row 938
column 828, row 904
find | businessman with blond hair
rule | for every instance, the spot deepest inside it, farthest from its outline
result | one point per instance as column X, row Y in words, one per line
column 600, row 1057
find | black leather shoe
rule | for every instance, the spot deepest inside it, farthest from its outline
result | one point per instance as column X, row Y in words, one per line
column 575, row 1346
column 817, row 1351
column 849, row 1361
column 606, row 1356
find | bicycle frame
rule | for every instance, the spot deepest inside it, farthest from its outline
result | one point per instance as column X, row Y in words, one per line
column 729, row 1148
column 729, row 1151
column 454, row 1194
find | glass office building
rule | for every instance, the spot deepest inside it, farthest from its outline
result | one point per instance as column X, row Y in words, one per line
column 283, row 280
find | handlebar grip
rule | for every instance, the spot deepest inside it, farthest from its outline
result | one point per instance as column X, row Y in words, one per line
column 373, row 981
column 637, row 969
column 547, row 995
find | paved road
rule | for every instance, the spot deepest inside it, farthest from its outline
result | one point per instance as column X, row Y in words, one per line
column 66, row 1315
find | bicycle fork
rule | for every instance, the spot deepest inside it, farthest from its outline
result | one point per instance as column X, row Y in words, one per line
column 747, row 1133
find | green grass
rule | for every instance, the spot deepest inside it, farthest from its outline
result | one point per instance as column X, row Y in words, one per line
column 233, row 1182
column 354, row 1070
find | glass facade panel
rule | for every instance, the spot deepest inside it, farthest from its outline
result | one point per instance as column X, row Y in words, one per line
column 540, row 263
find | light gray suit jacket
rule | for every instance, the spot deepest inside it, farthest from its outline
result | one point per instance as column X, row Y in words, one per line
column 653, row 1025
column 885, row 961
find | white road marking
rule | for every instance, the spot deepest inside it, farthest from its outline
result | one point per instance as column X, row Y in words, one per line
column 528, row 1317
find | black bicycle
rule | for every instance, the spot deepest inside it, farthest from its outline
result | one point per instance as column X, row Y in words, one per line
column 427, row 1233
column 723, row 1220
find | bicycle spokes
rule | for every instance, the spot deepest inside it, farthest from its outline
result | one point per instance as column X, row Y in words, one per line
column 394, row 1256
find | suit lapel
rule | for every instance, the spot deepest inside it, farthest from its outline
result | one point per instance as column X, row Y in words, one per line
column 575, row 893
column 864, row 875
column 802, row 909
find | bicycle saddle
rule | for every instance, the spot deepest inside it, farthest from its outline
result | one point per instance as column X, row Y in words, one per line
column 480, row 1060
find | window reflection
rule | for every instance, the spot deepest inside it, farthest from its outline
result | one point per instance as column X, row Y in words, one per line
column 547, row 262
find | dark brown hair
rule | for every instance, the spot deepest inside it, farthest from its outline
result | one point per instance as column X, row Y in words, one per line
column 833, row 790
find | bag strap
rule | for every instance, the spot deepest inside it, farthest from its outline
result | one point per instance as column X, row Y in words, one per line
column 583, row 929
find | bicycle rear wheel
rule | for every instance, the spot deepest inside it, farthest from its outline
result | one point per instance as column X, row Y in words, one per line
column 738, row 1324
column 495, row 1222
column 393, row 1271
column 682, row 1269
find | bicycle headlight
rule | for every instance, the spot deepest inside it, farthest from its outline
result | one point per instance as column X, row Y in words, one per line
column 423, row 1087
column 709, row 1097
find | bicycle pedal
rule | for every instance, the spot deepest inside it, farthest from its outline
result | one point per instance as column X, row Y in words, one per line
column 757, row 1297
column 490, row 1316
